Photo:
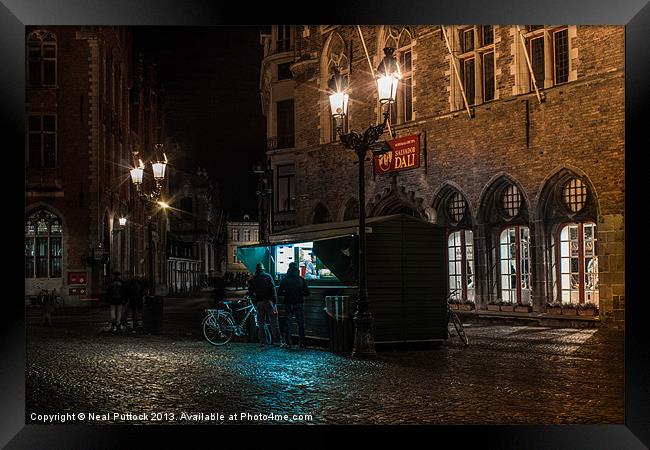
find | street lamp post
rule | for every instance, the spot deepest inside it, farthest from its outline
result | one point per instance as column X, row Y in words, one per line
column 153, row 199
column 387, row 79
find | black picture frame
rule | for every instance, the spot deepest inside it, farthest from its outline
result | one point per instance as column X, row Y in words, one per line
column 15, row 14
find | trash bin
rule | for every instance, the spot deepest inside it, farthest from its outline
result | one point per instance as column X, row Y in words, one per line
column 152, row 315
column 341, row 329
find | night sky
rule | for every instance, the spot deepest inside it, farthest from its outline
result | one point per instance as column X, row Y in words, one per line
column 210, row 77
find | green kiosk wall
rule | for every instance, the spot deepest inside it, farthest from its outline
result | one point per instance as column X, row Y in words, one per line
column 406, row 275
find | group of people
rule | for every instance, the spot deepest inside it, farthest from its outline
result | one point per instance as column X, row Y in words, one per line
column 264, row 295
column 124, row 297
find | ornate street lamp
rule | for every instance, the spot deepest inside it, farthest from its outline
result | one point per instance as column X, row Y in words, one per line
column 122, row 221
column 158, row 167
column 388, row 76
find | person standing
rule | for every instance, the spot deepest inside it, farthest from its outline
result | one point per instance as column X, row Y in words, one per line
column 311, row 271
column 136, row 293
column 293, row 287
column 115, row 297
column 263, row 295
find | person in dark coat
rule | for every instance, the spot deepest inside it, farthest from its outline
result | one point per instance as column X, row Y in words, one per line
column 115, row 296
column 261, row 288
column 293, row 287
column 136, row 295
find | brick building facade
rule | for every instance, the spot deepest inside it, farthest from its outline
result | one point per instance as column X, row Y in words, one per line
column 90, row 103
column 522, row 149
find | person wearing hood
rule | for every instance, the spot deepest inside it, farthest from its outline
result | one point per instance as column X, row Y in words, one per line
column 293, row 287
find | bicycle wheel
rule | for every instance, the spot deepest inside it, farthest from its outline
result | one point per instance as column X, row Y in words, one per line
column 218, row 329
column 460, row 330
column 58, row 302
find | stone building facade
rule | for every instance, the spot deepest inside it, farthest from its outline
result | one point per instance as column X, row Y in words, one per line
column 521, row 133
column 90, row 103
column 239, row 232
column 196, row 231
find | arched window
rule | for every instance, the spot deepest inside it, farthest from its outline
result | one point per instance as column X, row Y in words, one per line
column 336, row 57
column 321, row 214
column 514, row 265
column 43, row 245
column 351, row 210
column 456, row 207
column 578, row 268
column 400, row 39
column 461, row 264
column 41, row 59
column 511, row 200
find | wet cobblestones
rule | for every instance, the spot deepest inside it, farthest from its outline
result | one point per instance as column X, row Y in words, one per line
column 509, row 375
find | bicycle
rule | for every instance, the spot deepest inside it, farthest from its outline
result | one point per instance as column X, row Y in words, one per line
column 219, row 324
column 47, row 298
column 454, row 320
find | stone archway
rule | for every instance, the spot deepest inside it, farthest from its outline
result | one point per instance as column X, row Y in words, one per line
column 396, row 200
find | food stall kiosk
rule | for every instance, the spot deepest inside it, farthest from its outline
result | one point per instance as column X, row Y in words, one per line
column 406, row 273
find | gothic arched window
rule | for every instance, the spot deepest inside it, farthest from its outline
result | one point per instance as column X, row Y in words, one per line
column 41, row 59
column 43, row 245
column 401, row 40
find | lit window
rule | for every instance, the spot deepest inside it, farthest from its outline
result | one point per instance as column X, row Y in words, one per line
column 461, row 264
column 578, row 268
column 43, row 245
column 514, row 267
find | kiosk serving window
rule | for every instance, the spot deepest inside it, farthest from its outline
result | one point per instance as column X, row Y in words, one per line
column 326, row 261
column 304, row 255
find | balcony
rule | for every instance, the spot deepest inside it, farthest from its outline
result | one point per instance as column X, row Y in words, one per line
column 279, row 142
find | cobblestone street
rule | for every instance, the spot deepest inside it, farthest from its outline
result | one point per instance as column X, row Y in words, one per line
column 509, row 375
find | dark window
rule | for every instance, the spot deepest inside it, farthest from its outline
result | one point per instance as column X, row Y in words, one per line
column 41, row 141
column 537, row 60
column 456, row 207
column 321, row 214
column 284, row 73
column 286, row 188
column 488, row 76
column 468, row 40
column 487, row 35
column 284, row 38
column 561, row 54
column 285, row 124
column 468, row 77
column 41, row 59
column 406, row 64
